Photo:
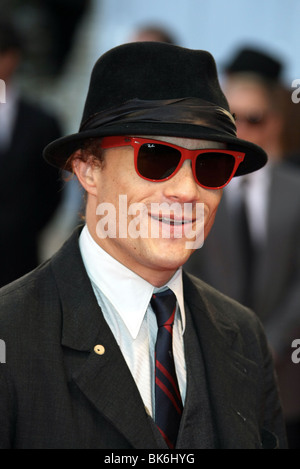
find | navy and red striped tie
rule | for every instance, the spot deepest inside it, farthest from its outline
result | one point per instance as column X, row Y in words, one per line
column 168, row 404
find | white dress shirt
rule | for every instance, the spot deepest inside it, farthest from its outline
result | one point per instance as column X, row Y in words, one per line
column 8, row 111
column 124, row 298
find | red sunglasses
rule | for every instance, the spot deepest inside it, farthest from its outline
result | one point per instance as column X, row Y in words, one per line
column 155, row 161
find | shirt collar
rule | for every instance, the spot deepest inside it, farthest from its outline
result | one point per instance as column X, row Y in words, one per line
column 129, row 293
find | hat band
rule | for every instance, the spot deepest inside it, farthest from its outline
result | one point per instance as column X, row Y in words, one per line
column 193, row 111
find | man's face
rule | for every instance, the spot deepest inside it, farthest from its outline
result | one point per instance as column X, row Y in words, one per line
column 154, row 258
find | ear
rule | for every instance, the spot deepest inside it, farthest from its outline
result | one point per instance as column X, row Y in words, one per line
column 86, row 172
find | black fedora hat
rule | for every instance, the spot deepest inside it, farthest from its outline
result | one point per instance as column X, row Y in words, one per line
column 153, row 88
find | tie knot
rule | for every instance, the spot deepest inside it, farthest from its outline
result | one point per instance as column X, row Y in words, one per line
column 164, row 306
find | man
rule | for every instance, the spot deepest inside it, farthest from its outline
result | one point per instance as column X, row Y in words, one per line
column 30, row 190
column 263, row 273
column 82, row 330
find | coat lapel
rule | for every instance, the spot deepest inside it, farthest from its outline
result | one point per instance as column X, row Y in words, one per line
column 107, row 382
column 231, row 378
column 104, row 378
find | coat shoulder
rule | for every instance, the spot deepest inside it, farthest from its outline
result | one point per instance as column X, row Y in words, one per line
column 220, row 307
column 29, row 308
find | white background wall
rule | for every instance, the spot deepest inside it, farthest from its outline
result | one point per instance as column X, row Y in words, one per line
column 215, row 25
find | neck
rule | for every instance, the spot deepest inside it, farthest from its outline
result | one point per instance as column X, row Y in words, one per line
column 155, row 276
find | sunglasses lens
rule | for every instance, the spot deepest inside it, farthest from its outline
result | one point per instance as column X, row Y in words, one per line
column 214, row 169
column 156, row 161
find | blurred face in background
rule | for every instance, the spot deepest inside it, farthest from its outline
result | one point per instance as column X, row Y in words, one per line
column 258, row 116
column 9, row 62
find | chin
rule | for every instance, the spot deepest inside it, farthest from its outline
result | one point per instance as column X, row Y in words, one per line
column 174, row 257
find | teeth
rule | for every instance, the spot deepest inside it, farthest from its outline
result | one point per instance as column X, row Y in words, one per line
column 171, row 221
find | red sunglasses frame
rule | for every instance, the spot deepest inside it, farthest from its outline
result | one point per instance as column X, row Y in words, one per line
column 137, row 142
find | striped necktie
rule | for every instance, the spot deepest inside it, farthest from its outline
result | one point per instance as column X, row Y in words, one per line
column 168, row 404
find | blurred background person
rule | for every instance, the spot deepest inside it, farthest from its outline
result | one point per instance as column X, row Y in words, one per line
column 256, row 257
column 153, row 32
column 291, row 135
column 30, row 190
column 50, row 73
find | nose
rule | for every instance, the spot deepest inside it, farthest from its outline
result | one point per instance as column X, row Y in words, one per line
column 183, row 187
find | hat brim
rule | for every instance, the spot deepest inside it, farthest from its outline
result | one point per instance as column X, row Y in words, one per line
column 58, row 152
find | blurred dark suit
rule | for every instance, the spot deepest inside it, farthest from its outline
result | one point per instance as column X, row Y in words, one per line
column 276, row 274
column 29, row 190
